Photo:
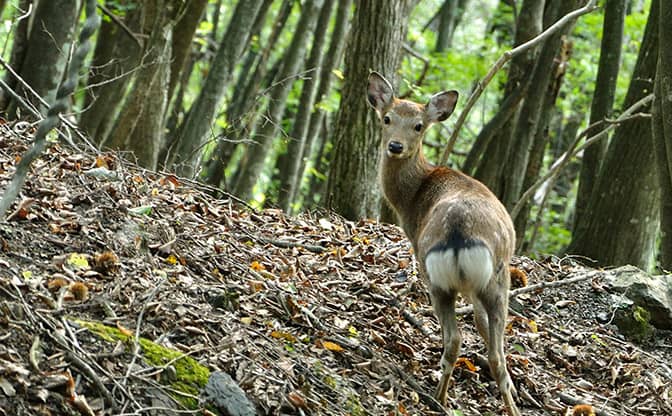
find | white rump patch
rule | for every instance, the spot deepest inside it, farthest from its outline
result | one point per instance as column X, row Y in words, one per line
column 468, row 272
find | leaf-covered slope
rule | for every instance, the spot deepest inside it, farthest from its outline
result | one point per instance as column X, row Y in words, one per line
column 310, row 314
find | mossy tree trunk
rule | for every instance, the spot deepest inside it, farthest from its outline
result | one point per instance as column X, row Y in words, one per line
column 139, row 127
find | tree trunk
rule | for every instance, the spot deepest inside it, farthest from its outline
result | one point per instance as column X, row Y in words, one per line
column 49, row 44
column 139, row 127
column 183, row 35
column 257, row 152
column 19, row 47
column 378, row 31
column 662, row 132
column 531, row 111
column 624, row 206
column 603, row 98
column 541, row 138
column 334, row 56
column 243, row 98
column 196, row 127
column 491, row 167
column 449, row 17
column 116, row 54
column 290, row 163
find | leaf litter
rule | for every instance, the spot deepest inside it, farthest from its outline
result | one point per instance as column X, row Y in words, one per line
column 309, row 315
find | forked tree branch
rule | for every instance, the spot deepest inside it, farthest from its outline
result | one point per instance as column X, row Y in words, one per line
column 506, row 57
column 573, row 150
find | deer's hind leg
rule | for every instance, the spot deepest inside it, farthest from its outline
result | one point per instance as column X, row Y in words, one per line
column 443, row 303
column 495, row 302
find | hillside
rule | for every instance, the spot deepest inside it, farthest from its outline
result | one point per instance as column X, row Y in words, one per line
column 309, row 315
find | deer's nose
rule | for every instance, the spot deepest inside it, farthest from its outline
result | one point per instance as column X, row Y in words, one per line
column 395, row 147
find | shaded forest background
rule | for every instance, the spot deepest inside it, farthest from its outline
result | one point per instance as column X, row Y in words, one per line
column 264, row 99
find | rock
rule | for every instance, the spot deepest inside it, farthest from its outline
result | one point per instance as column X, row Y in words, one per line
column 224, row 393
column 652, row 293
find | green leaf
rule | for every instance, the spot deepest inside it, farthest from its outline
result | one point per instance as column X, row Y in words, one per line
column 142, row 210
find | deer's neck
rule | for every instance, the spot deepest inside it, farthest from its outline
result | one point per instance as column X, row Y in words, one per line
column 401, row 179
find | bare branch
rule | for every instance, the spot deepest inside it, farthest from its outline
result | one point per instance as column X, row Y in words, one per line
column 506, row 57
column 554, row 171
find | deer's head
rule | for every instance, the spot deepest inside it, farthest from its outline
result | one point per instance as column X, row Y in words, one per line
column 405, row 122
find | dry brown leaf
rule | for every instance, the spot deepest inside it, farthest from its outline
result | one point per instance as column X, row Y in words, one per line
column 296, row 398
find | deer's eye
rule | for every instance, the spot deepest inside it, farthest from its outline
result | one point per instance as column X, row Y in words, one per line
column 418, row 127
column 386, row 120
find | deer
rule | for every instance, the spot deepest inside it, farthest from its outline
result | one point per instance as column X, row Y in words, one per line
column 462, row 236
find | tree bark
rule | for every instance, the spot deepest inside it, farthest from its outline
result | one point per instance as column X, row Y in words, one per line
column 378, row 31
column 662, row 132
column 449, row 17
column 49, row 44
column 290, row 162
column 334, row 56
column 116, row 54
column 196, row 127
column 183, row 35
column 603, row 98
column 19, row 47
column 256, row 154
column 139, row 127
column 541, row 138
column 531, row 112
column 624, row 206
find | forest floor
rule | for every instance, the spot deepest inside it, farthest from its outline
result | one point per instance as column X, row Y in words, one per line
column 310, row 315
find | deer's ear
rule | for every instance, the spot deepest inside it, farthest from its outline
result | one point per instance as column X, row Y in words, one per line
column 379, row 94
column 441, row 105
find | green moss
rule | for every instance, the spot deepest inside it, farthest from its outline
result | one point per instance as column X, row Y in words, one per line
column 190, row 378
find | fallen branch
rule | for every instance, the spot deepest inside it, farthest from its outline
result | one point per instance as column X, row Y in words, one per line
column 506, row 57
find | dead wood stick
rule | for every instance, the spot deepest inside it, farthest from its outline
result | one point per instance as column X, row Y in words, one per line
column 506, row 57
column 138, row 325
column 427, row 398
column 573, row 401
column 91, row 375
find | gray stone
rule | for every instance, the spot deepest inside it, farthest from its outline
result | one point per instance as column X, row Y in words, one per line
column 653, row 293
column 224, row 393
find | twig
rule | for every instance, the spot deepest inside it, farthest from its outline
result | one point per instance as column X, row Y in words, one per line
column 91, row 375
column 554, row 171
column 138, row 325
column 506, row 57
column 121, row 24
column 428, row 399
column 288, row 244
column 425, row 68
